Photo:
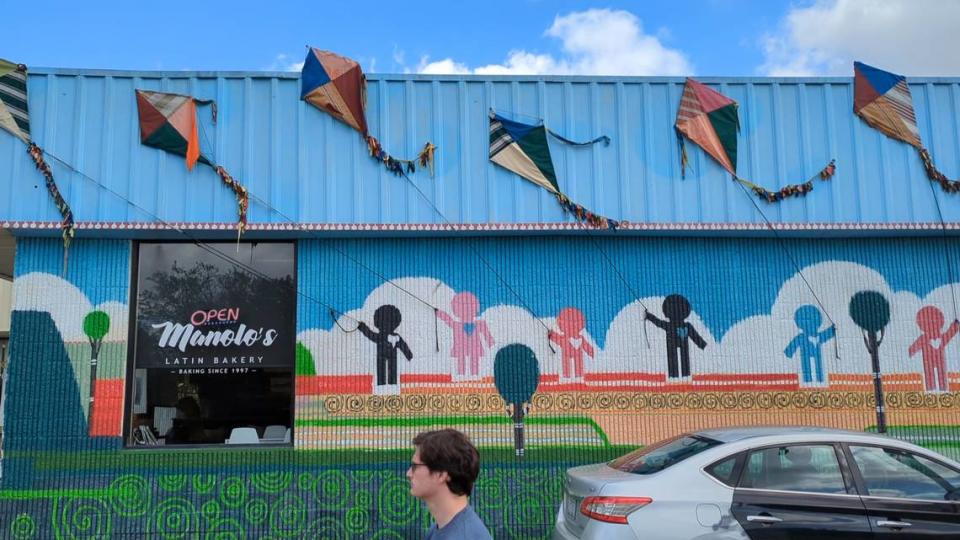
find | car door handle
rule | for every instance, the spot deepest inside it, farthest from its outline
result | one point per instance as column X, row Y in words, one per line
column 768, row 520
column 893, row 524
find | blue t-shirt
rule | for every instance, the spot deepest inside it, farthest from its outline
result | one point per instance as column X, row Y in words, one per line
column 466, row 525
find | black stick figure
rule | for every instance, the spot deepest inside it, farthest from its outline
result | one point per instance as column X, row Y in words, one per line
column 679, row 332
column 386, row 318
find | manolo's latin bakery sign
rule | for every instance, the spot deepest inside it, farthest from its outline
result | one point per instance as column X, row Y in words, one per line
column 250, row 326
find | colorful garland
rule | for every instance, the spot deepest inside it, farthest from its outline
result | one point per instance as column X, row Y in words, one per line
column 582, row 214
column 67, row 224
column 949, row 186
column 400, row 167
column 793, row 190
column 243, row 199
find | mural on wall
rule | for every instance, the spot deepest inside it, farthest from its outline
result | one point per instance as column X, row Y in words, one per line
column 386, row 319
column 809, row 343
column 679, row 334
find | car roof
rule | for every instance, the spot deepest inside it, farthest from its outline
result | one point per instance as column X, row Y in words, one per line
column 733, row 434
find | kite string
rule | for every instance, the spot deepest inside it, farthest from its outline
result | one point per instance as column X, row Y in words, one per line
column 783, row 246
column 199, row 243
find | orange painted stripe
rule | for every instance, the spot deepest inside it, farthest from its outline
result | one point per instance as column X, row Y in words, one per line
column 636, row 376
column 106, row 417
column 741, row 377
column 340, row 384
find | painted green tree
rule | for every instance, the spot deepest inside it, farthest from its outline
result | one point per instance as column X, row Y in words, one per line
column 516, row 374
column 871, row 312
column 95, row 325
column 304, row 358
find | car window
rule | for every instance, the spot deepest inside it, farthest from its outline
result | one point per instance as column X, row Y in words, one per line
column 655, row 458
column 723, row 470
column 807, row 468
column 894, row 473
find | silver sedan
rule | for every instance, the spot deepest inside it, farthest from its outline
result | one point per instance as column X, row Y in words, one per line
column 765, row 483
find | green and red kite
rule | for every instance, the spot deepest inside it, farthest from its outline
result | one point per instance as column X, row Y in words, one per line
column 711, row 120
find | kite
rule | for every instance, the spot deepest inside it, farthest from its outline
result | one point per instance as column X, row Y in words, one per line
column 882, row 99
column 711, row 120
column 523, row 150
column 15, row 118
column 336, row 85
column 169, row 122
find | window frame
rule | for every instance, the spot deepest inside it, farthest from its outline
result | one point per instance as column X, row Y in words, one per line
column 851, row 488
column 740, row 458
column 130, row 368
column 862, row 485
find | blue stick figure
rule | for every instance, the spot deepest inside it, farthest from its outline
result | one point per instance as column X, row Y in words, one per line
column 809, row 341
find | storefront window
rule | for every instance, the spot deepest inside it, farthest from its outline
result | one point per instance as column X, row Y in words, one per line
column 213, row 345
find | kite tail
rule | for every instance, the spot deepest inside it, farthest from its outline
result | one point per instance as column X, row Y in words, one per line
column 67, row 225
column 243, row 199
column 949, row 186
column 602, row 138
column 582, row 214
column 684, row 160
column 792, row 190
column 399, row 167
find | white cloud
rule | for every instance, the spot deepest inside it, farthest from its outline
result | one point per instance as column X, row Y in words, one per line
column 283, row 62
column 67, row 306
column 593, row 42
column 913, row 37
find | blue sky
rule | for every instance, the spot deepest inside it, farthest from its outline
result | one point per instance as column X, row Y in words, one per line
column 678, row 37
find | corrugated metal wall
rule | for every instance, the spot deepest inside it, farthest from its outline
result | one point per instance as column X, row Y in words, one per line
column 308, row 168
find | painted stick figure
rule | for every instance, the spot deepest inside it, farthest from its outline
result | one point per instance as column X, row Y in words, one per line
column 933, row 343
column 679, row 332
column 809, row 342
column 386, row 318
column 572, row 343
column 469, row 334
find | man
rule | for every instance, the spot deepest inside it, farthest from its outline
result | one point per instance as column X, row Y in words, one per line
column 444, row 467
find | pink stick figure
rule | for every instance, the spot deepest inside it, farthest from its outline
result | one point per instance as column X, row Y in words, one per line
column 469, row 333
column 933, row 343
column 571, row 341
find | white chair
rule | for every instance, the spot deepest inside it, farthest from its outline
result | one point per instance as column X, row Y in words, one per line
column 243, row 435
column 286, row 436
column 275, row 432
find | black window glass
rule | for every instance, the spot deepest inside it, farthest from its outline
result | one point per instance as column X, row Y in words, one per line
column 893, row 473
column 214, row 343
column 655, row 458
column 807, row 468
column 723, row 470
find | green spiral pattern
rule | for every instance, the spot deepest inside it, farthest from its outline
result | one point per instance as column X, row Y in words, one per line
column 271, row 482
column 490, row 492
column 288, row 516
column 233, row 492
column 395, row 504
column 23, row 528
column 527, row 510
column 204, row 483
column 363, row 477
column 130, row 495
column 226, row 529
column 305, row 482
column 364, row 499
column 327, row 529
column 173, row 519
column 332, row 489
column 210, row 510
column 358, row 520
column 172, row 482
column 256, row 511
column 387, row 534
column 81, row 518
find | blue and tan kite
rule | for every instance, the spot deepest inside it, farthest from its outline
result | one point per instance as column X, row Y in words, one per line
column 882, row 99
column 336, row 85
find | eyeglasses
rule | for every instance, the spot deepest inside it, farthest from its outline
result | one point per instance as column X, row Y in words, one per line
column 414, row 465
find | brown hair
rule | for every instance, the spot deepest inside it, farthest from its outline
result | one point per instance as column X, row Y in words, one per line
column 448, row 450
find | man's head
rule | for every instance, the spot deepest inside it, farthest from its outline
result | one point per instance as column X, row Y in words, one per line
column 444, row 461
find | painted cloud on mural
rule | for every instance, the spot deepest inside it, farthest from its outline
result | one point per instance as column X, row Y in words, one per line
column 67, row 305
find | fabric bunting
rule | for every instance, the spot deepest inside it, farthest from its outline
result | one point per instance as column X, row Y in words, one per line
column 336, row 85
column 882, row 99
column 711, row 120
column 169, row 122
column 15, row 118
column 523, row 150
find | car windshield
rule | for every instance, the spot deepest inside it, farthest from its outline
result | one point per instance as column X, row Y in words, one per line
column 655, row 458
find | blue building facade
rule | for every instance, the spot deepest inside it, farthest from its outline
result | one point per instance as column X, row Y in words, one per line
column 707, row 307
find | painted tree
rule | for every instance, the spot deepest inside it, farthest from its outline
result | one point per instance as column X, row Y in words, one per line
column 305, row 365
column 95, row 325
column 871, row 312
column 516, row 374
